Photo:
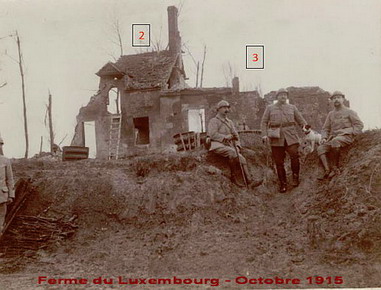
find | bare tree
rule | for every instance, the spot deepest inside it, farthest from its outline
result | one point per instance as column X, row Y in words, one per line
column 51, row 132
column 119, row 43
column 114, row 34
column 20, row 62
column 63, row 139
column 157, row 44
column 4, row 83
column 200, row 79
column 229, row 73
column 180, row 6
column 41, row 142
column 196, row 63
column 202, row 67
column 118, row 35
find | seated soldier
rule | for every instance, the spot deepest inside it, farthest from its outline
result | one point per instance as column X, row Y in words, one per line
column 339, row 129
column 225, row 142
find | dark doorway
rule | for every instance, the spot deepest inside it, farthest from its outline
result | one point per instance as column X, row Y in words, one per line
column 141, row 130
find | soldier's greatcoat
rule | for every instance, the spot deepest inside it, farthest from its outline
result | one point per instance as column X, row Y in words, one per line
column 6, row 180
column 218, row 130
column 339, row 129
column 285, row 117
column 342, row 122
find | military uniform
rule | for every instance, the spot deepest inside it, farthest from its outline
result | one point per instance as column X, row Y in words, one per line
column 225, row 142
column 218, row 129
column 285, row 117
column 339, row 129
column 6, row 187
column 341, row 125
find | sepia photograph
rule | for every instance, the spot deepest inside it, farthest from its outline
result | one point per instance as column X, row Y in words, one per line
column 190, row 144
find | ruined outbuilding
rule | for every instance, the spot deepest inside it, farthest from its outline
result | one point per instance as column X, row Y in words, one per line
column 143, row 101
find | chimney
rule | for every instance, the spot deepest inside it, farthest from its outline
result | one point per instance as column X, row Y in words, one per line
column 174, row 39
column 235, row 83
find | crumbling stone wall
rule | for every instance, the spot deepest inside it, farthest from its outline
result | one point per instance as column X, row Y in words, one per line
column 168, row 112
column 247, row 110
column 139, row 104
column 246, row 107
column 96, row 110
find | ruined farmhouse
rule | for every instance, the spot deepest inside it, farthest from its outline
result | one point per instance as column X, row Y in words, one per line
column 143, row 101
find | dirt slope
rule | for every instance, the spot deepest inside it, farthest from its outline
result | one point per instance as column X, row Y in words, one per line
column 161, row 216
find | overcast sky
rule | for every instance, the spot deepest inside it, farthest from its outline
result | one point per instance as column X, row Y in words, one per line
column 334, row 44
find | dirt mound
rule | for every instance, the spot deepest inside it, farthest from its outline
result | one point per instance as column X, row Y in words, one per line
column 179, row 214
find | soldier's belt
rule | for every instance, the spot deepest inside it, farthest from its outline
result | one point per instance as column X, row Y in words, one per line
column 288, row 124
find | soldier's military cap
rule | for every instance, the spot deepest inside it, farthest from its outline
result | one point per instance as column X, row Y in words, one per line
column 223, row 103
column 337, row 93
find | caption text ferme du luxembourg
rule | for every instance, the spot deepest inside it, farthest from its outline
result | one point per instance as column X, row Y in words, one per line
column 240, row 280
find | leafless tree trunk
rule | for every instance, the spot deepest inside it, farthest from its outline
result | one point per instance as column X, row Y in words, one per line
column 120, row 44
column 51, row 132
column 63, row 139
column 157, row 43
column 197, row 64
column 229, row 73
column 23, row 95
column 118, row 34
column 41, row 145
column 202, row 67
column 198, row 68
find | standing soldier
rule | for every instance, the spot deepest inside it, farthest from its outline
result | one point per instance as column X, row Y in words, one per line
column 225, row 142
column 278, row 128
column 341, row 125
column 7, row 193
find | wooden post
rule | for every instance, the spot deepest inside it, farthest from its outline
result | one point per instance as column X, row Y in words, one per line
column 202, row 122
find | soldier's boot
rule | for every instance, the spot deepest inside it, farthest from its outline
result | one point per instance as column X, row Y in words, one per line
column 295, row 167
column 282, row 178
column 249, row 179
column 295, row 179
column 324, row 161
column 335, row 153
column 236, row 172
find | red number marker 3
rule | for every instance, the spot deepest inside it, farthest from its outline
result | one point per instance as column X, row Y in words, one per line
column 255, row 56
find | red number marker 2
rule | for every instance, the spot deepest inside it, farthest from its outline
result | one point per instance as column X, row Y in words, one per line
column 141, row 35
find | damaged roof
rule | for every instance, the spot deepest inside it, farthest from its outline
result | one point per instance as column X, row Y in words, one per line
column 144, row 70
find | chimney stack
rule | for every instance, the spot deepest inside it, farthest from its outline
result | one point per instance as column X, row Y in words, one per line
column 174, row 39
column 235, row 84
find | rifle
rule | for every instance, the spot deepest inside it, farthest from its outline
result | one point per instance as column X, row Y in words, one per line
column 240, row 164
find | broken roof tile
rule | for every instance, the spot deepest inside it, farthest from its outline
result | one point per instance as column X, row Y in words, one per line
column 145, row 70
